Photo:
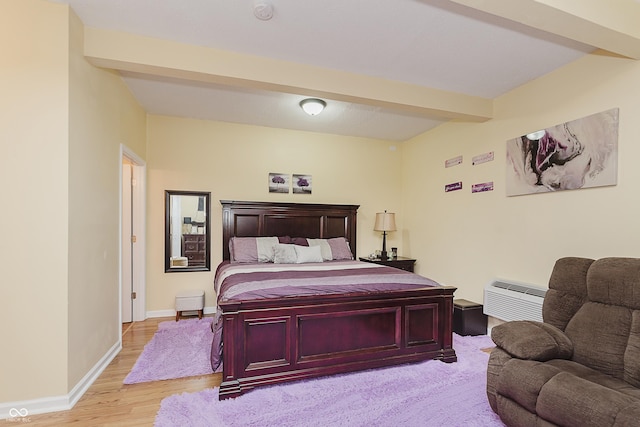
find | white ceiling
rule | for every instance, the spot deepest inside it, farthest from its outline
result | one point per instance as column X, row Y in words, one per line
column 429, row 43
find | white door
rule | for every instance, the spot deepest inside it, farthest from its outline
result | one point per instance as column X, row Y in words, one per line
column 127, row 253
column 133, row 248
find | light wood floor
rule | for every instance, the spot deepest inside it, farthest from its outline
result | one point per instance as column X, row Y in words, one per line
column 109, row 402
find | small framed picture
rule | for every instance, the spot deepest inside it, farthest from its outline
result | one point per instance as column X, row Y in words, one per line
column 279, row 183
column 301, row 184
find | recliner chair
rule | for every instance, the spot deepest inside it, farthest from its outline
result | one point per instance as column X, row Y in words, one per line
column 581, row 365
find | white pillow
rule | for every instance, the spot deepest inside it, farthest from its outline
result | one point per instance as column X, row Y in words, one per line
column 308, row 254
column 265, row 247
column 325, row 249
column 284, row 254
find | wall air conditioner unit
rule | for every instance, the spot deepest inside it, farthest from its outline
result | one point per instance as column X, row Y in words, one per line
column 508, row 300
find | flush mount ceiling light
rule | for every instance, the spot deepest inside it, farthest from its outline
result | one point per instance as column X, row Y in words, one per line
column 263, row 10
column 313, row 106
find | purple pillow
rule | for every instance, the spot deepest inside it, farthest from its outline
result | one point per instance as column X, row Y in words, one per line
column 336, row 248
column 300, row 241
column 340, row 248
column 252, row 249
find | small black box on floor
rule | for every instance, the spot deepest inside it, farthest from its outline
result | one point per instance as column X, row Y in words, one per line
column 468, row 318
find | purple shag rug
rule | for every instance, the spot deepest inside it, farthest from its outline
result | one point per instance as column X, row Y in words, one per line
column 178, row 349
column 430, row 393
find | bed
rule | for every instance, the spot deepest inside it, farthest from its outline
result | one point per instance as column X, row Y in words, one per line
column 279, row 338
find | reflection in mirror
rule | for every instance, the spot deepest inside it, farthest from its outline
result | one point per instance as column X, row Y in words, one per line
column 187, row 231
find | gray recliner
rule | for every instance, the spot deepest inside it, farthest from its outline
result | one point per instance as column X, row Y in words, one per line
column 581, row 365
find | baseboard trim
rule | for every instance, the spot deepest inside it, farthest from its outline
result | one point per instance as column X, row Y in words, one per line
column 8, row 410
column 160, row 313
column 83, row 385
column 172, row 313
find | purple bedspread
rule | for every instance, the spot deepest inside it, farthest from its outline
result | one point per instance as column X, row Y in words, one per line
column 242, row 282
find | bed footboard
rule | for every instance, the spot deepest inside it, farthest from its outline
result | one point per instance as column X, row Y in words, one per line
column 272, row 341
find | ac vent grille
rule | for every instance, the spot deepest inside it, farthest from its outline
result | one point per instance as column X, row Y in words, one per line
column 539, row 292
column 508, row 301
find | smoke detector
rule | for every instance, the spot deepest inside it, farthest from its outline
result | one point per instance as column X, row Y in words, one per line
column 263, row 10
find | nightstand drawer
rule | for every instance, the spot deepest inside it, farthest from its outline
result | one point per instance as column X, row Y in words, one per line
column 193, row 248
column 195, row 258
column 190, row 246
column 193, row 237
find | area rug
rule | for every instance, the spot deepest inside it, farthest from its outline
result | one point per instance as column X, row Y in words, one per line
column 429, row 393
column 178, row 349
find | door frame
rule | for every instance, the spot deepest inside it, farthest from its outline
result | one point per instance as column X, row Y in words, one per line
column 138, row 225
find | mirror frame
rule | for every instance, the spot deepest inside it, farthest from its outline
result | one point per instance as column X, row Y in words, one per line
column 167, row 231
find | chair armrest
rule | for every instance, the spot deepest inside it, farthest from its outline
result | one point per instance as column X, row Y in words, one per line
column 529, row 340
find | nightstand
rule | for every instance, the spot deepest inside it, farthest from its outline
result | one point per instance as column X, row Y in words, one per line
column 398, row 262
column 193, row 248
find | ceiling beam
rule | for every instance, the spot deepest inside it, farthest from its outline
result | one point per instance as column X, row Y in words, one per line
column 611, row 25
column 129, row 52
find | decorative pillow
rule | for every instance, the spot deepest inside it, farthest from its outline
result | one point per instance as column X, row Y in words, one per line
column 252, row 249
column 340, row 248
column 333, row 249
column 265, row 248
column 243, row 249
column 285, row 254
column 325, row 249
column 299, row 241
column 308, row 254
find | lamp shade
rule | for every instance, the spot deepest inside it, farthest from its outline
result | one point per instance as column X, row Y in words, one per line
column 199, row 217
column 313, row 106
column 385, row 221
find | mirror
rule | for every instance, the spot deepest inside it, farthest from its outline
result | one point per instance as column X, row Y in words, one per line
column 187, row 245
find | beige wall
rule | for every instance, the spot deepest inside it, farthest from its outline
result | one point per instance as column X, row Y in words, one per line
column 103, row 114
column 34, row 84
column 62, row 122
column 233, row 162
column 466, row 239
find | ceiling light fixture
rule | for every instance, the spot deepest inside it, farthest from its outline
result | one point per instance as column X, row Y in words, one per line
column 263, row 10
column 313, row 106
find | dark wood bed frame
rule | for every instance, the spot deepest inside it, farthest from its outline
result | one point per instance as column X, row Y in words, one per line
column 275, row 340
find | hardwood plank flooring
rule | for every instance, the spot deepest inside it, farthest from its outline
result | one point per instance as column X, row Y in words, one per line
column 109, row 402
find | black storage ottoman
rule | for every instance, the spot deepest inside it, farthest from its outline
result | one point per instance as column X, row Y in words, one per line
column 468, row 318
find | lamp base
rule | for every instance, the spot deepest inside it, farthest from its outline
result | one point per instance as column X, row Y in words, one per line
column 383, row 254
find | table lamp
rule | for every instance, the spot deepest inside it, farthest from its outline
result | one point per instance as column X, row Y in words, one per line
column 385, row 221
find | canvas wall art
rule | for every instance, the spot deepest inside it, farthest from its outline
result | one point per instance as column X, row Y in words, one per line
column 578, row 154
column 482, row 158
column 279, row 182
column 301, row 184
column 454, row 186
column 482, row 187
column 455, row 161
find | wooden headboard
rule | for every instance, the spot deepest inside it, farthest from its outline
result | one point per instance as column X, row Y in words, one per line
column 264, row 219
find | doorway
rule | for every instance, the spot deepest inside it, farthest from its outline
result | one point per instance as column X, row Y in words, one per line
column 132, row 221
